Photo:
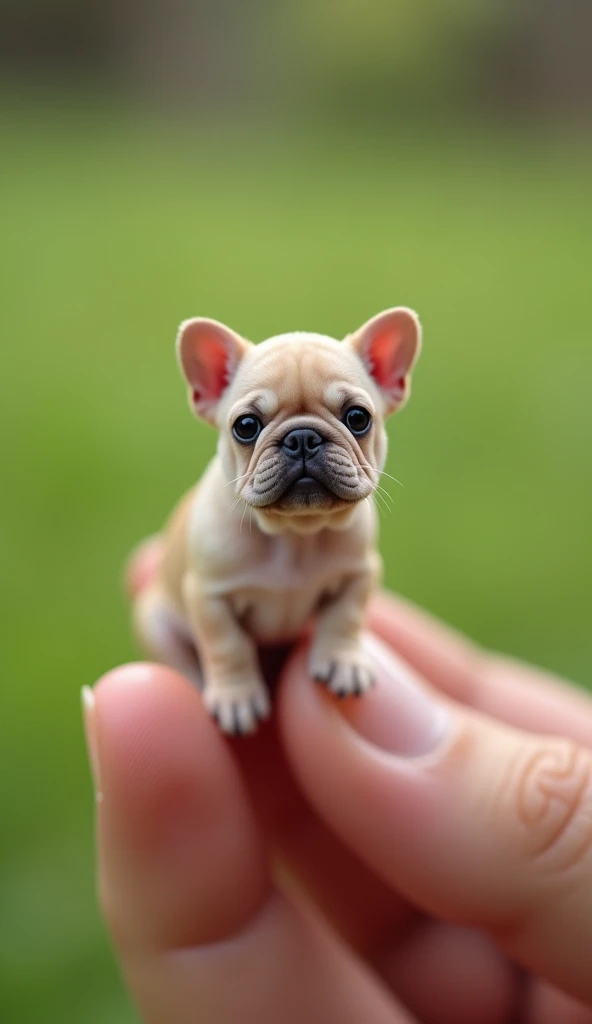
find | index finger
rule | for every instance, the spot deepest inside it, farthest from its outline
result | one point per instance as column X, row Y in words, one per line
column 508, row 690
column 186, row 882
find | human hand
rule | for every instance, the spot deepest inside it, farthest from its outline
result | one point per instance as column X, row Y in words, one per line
column 388, row 860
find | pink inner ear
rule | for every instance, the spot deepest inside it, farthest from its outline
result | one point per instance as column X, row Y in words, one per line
column 381, row 357
column 205, row 356
column 209, row 354
column 212, row 368
column 387, row 356
column 388, row 345
column 390, row 350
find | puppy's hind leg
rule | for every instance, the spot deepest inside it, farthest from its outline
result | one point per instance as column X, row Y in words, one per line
column 163, row 635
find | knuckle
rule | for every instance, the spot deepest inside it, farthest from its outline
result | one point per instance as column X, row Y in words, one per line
column 550, row 789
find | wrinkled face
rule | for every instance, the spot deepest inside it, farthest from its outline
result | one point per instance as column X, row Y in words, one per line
column 301, row 416
column 302, row 431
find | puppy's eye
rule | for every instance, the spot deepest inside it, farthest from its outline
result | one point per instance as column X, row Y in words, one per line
column 358, row 420
column 246, row 429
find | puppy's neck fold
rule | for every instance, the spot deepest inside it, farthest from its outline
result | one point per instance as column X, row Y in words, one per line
column 275, row 524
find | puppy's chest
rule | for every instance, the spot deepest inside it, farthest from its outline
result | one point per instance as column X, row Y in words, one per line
column 289, row 565
column 277, row 596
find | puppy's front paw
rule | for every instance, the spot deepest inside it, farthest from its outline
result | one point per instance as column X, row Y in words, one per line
column 345, row 673
column 237, row 707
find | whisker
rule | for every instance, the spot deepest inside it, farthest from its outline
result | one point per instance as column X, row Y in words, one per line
column 389, row 509
column 382, row 472
column 389, row 496
column 377, row 487
column 381, row 503
column 240, row 529
column 236, row 479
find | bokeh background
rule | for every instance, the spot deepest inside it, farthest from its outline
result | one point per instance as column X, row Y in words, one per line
column 276, row 166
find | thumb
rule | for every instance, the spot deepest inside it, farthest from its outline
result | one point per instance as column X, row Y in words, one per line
column 472, row 821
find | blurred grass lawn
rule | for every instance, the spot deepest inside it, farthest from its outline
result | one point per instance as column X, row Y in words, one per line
column 114, row 233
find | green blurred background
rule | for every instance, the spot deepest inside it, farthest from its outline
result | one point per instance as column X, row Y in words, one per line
column 278, row 167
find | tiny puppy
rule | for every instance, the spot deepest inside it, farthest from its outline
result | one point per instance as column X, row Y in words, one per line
column 281, row 531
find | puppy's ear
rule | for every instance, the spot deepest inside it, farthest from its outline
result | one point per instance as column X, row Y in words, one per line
column 389, row 345
column 209, row 354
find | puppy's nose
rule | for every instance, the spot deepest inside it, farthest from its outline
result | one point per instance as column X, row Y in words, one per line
column 302, row 443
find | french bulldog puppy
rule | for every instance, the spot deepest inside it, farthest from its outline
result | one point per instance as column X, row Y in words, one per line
column 281, row 531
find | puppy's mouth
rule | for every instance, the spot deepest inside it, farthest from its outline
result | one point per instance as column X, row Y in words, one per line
column 306, row 492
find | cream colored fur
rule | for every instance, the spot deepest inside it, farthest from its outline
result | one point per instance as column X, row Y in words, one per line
column 245, row 565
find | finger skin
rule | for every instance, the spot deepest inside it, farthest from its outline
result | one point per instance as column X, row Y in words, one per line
column 349, row 894
column 545, row 1004
column 505, row 689
column 492, row 830
column 284, row 968
column 202, row 931
column 452, row 975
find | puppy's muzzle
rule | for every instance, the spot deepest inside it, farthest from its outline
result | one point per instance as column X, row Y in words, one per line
column 302, row 444
column 306, row 471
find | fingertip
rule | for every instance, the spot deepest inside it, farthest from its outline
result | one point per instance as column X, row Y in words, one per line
column 127, row 681
column 180, row 855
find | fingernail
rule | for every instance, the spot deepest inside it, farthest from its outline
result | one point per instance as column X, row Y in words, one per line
column 399, row 714
column 90, row 731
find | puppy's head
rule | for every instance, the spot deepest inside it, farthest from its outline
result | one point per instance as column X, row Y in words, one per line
column 301, row 416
